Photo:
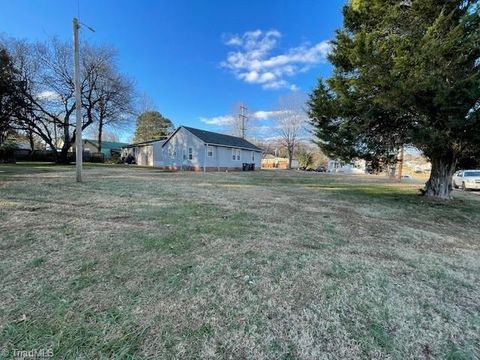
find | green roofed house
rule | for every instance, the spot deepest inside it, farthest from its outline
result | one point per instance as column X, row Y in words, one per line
column 109, row 148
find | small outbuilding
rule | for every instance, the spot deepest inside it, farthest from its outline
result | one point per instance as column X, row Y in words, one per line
column 197, row 150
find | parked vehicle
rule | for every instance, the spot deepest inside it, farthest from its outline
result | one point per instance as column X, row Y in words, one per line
column 466, row 179
column 406, row 177
column 303, row 168
column 321, row 169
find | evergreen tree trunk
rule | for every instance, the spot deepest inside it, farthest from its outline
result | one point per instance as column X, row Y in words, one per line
column 439, row 185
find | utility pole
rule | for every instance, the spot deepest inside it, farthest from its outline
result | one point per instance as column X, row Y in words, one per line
column 400, row 163
column 242, row 118
column 78, row 102
column 78, row 99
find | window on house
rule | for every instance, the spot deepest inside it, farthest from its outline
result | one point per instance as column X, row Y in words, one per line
column 236, row 154
column 190, row 153
column 253, row 155
column 210, row 151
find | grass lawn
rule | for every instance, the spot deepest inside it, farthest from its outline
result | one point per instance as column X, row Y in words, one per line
column 139, row 263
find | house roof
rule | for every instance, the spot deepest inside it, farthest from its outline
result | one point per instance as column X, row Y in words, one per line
column 214, row 138
column 108, row 144
column 145, row 143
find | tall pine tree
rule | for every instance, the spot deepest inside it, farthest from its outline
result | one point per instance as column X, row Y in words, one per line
column 12, row 100
column 151, row 125
column 405, row 72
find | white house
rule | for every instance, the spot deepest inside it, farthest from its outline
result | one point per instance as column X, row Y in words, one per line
column 198, row 150
column 357, row 167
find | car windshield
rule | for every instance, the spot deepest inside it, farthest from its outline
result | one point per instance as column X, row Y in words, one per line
column 472, row 173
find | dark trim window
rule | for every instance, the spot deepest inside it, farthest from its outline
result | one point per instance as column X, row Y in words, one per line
column 190, row 153
column 209, row 151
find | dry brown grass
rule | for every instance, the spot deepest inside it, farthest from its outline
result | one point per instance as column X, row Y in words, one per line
column 138, row 263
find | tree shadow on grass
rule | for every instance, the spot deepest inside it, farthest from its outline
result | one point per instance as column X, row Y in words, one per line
column 396, row 195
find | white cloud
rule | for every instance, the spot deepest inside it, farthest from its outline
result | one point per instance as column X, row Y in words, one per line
column 218, row 120
column 253, row 62
column 234, row 41
column 48, row 95
column 229, row 119
column 264, row 115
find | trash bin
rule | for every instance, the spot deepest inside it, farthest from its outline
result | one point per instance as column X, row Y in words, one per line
column 252, row 167
column 245, row 167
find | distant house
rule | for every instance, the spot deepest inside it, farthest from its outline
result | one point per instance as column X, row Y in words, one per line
column 275, row 162
column 109, row 148
column 357, row 167
column 198, row 150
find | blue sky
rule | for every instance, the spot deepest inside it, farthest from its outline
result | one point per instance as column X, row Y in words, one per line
column 197, row 59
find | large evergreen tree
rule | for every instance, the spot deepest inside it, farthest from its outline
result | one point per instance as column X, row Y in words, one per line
column 151, row 125
column 405, row 72
column 12, row 100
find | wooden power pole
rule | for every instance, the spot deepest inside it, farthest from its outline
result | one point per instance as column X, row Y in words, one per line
column 78, row 102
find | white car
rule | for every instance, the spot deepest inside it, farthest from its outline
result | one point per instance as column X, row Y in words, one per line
column 466, row 179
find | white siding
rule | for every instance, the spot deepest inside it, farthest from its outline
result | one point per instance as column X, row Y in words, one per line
column 223, row 158
column 176, row 151
column 144, row 155
column 175, row 154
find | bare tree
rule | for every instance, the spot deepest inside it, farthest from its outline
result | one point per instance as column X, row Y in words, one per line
column 110, row 136
column 290, row 122
column 267, row 146
column 145, row 103
column 46, row 71
column 113, row 93
column 107, row 135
